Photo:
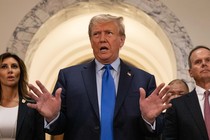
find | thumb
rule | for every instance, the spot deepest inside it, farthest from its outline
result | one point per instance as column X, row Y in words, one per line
column 58, row 93
column 142, row 94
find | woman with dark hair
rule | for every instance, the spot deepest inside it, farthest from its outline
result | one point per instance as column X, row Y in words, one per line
column 17, row 121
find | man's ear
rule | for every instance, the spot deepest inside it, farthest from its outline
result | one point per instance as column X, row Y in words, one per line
column 122, row 38
column 190, row 72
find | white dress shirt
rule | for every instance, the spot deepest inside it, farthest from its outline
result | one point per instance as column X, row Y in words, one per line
column 200, row 93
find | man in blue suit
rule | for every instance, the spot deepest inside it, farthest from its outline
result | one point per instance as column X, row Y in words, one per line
column 75, row 107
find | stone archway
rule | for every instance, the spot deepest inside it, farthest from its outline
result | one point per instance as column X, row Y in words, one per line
column 24, row 41
column 32, row 32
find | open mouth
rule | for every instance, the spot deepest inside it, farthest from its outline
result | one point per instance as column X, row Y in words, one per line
column 10, row 77
column 103, row 49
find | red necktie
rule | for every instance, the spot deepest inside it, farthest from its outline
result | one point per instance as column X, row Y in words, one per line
column 207, row 112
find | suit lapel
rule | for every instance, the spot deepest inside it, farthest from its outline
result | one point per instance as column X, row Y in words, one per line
column 21, row 114
column 89, row 76
column 124, row 83
column 194, row 107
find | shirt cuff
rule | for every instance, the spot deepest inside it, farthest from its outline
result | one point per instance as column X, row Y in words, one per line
column 150, row 126
column 47, row 124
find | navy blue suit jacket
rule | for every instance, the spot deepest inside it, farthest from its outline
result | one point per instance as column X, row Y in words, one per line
column 184, row 120
column 79, row 118
column 30, row 124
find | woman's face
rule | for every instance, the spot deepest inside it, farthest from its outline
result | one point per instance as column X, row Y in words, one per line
column 9, row 72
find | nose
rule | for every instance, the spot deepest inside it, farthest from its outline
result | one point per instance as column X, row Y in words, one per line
column 204, row 63
column 102, row 37
column 10, row 70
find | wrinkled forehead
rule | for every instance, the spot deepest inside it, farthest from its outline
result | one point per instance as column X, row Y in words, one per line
column 200, row 53
column 105, row 26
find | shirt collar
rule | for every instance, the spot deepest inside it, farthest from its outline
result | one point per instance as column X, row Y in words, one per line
column 200, row 91
column 115, row 65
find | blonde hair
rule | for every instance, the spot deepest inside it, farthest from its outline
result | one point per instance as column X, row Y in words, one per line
column 104, row 18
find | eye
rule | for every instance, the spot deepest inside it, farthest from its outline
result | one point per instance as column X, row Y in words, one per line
column 198, row 62
column 96, row 33
column 15, row 66
column 109, row 33
column 4, row 66
column 208, row 60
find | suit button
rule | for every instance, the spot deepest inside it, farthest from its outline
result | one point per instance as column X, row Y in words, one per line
column 96, row 128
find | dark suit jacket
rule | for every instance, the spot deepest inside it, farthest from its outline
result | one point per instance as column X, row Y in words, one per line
column 30, row 124
column 79, row 118
column 184, row 120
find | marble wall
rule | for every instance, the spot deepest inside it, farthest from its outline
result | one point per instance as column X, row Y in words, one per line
column 36, row 17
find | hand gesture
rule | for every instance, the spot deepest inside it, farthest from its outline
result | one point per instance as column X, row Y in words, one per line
column 155, row 103
column 46, row 104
